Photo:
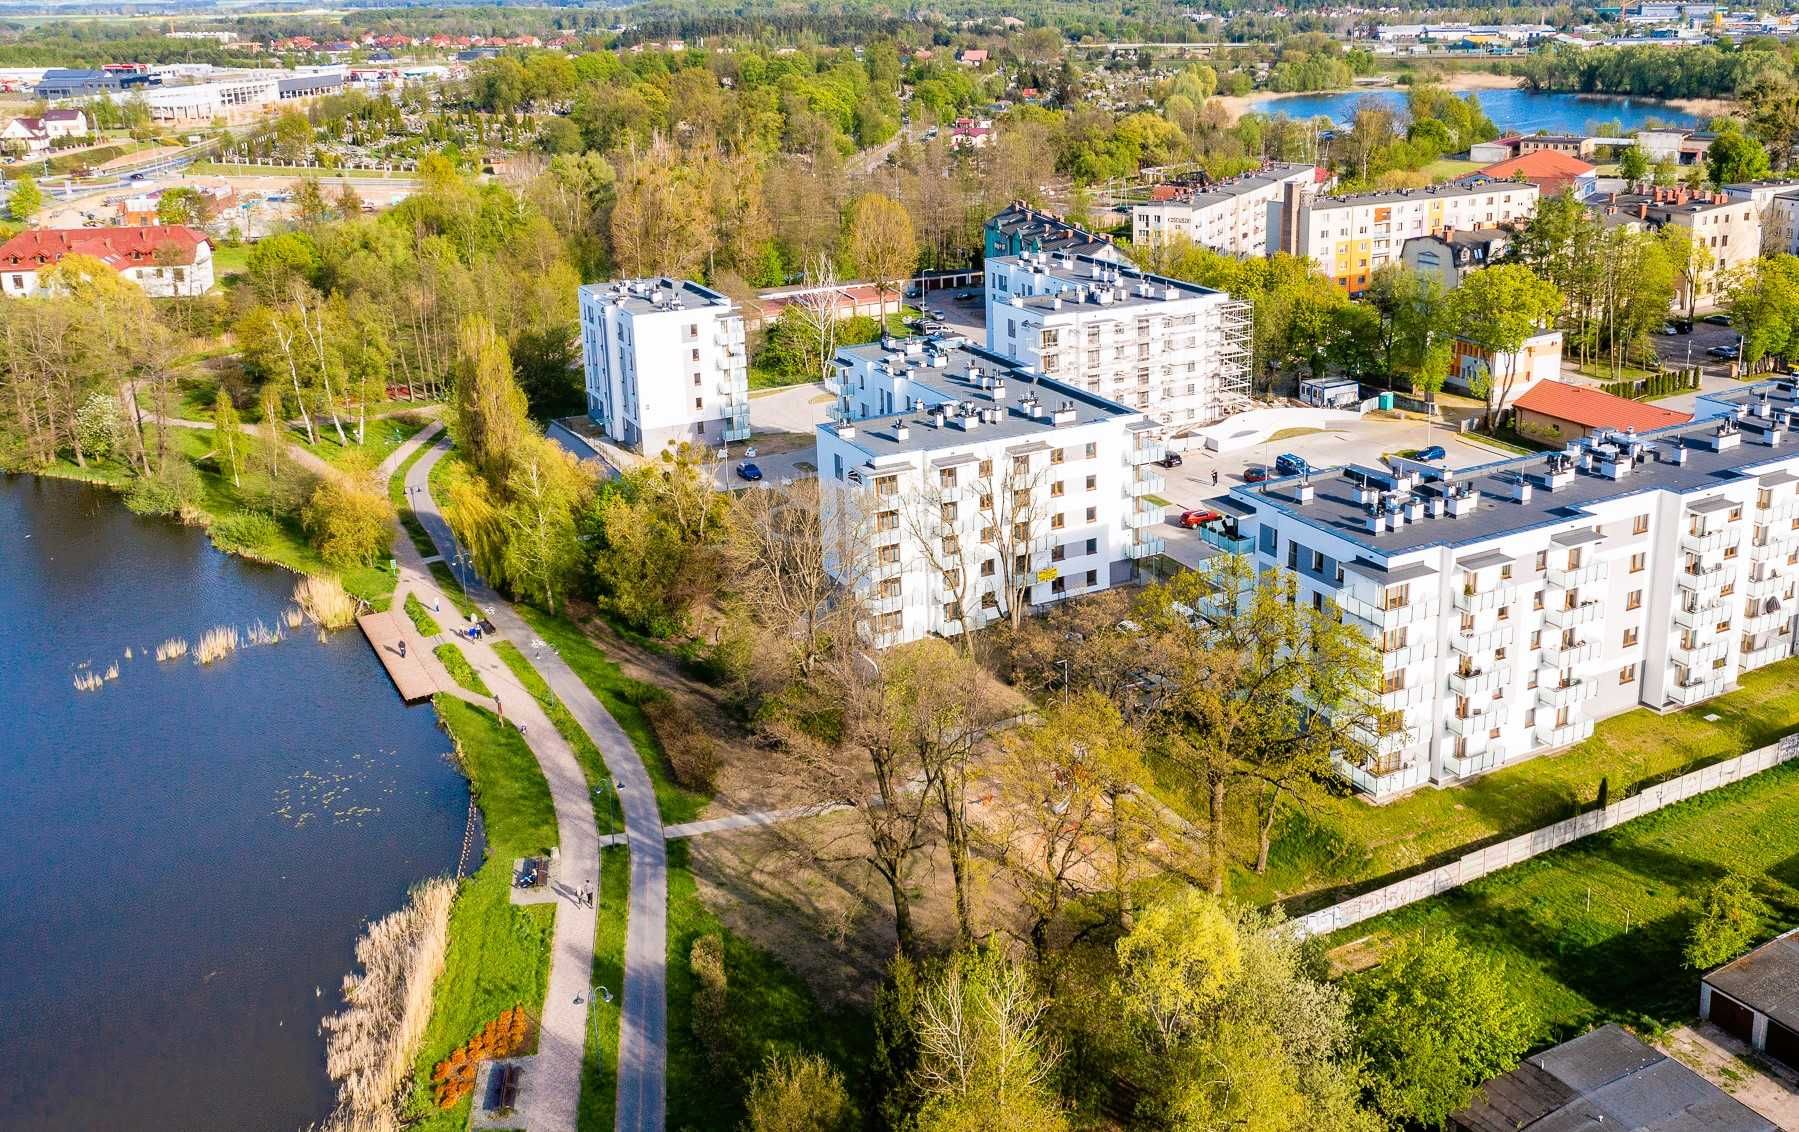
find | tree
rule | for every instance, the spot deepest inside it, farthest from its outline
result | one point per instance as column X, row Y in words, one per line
column 1435, row 1021
column 1175, row 964
column 1633, row 164
column 1501, row 308
column 228, row 437
column 1734, row 157
column 983, row 1062
column 1691, row 259
column 546, row 489
column 26, row 198
column 1729, row 921
column 487, row 411
column 292, row 136
column 348, row 520
column 882, row 243
column 183, row 205
column 799, row 1093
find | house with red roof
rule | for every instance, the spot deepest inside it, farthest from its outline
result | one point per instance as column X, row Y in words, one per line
column 165, row 260
column 1559, row 412
column 1550, row 170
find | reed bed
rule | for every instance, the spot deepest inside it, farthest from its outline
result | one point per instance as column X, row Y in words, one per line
column 112, row 671
column 371, row 1043
column 216, row 643
column 325, row 601
column 292, row 617
column 127, row 652
column 172, row 649
column 261, row 634
column 88, row 680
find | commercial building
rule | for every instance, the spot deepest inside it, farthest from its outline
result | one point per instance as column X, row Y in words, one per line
column 1606, row 1078
column 241, row 95
column 1021, row 228
column 1728, row 229
column 62, row 82
column 1351, row 237
column 1173, row 350
column 1756, row 998
column 1556, row 412
column 1241, row 216
column 963, row 482
column 166, row 261
column 664, row 362
column 1683, row 147
column 1515, row 604
column 1450, row 255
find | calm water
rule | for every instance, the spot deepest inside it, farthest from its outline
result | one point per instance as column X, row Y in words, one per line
column 189, row 852
column 1511, row 110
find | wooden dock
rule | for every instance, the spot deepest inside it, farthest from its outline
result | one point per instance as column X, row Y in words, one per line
column 408, row 672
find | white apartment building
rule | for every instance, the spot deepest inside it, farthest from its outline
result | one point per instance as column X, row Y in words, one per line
column 968, row 478
column 1776, row 208
column 1516, row 603
column 1241, row 216
column 665, row 363
column 1730, row 230
column 1351, row 237
column 1178, row 352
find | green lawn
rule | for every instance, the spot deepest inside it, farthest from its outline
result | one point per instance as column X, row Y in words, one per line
column 770, row 1008
column 230, row 259
column 599, row 782
column 421, row 617
column 499, row 953
column 1346, row 844
column 396, row 494
column 599, row 1070
column 1449, row 168
column 1593, row 932
column 381, row 436
column 620, row 695
column 460, row 669
column 452, row 589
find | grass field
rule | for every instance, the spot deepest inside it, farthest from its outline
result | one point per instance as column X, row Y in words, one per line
column 499, row 953
column 1346, row 845
column 1593, row 932
column 599, row 1070
column 230, row 259
column 599, row 782
column 421, row 617
column 620, row 695
column 381, row 437
column 770, row 1009
column 460, row 669
column 1449, row 168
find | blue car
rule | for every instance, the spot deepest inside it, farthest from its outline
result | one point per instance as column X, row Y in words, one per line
column 1434, row 452
column 748, row 471
column 1287, row 464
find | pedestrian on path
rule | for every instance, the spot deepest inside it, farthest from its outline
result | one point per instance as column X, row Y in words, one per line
column 1214, row 477
column 402, row 650
column 498, row 710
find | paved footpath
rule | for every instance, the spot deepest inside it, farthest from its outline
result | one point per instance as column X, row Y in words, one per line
column 643, row 1022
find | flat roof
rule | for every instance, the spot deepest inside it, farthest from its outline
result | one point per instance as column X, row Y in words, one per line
column 1277, row 173
column 1336, row 509
column 1470, row 186
column 1606, row 1078
column 1070, row 274
column 639, row 296
column 950, row 383
column 1765, row 980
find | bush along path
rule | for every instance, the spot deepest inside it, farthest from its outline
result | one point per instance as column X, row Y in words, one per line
column 552, row 1085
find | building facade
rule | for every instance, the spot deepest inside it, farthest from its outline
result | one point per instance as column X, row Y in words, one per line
column 166, row 261
column 1728, row 229
column 1776, row 205
column 1502, row 377
column 1515, row 604
column 1351, row 237
column 1241, row 216
column 665, row 363
column 1173, row 350
column 959, row 482
column 1451, row 255
column 1021, row 228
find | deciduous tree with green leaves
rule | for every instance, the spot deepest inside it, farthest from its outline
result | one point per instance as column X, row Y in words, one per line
column 1729, row 921
column 1500, row 309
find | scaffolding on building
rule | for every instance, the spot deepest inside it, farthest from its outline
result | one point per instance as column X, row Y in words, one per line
column 1236, row 327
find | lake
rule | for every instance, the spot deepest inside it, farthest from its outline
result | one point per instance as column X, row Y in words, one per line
column 1518, row 111
column 190, row 851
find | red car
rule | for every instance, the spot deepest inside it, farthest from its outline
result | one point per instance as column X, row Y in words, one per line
column 1191, row 519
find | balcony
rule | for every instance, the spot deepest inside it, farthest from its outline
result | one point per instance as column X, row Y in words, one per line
column 1586, row 613
column 1402, row 698
column 1705, row 651
column 1143, row 547
column 1566, row 735
column 1383, row 745
column 1766, row 622
column 1710, row 542
column 1771, row 585
column 1475, row 761
column 1152, row 453
column 1564, row 695
column 1560, row 656
column 1140, row 517
column 1782, row 512
column 1418, row 609
column 1587, row 575
column 1698, row 613
column 1230, row 545
column 1144, row 483
column 1479, row 683
column 1693, row 690
column 1472, row 724
column 1485, row 601
column 1474, row 644
column 1395, row 659
column 1778, row 648
column 889, row 603
column 1707, row 581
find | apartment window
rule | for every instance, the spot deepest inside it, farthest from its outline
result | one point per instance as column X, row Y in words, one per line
column 1092, row 578
column 952, row 544
column 1505, row 572
column 1536, row 639
column 1317, row 562
column 1292, row 556
column 1092, row 482
column 1055, row 490
column 696, row 356
column 1536, row 600
column 1542, row 561
column 952, row 611
column 1638, row 562
column 697, row 403
column 1051, row 337
column 1635, row 600
column 1764, row 499
column 1092, row 546
column 889, row 554
column 1627, row 674
column 1057, row 521
column 1640, row 525
column 986, row 468
column 1057, row 455
column 1092, row 514
column 1021, row 465
column 1011, row 328
column 987, row 537
column 1736, row 512
column 949, row 512
column 947, row 477
column 1730, row 551
column 989, row 601
column 1056, row 554
column 890, row 587
column 696, row 381
column 887, row 521
column 886, row 485
column 1092, row 450
column 1393, row 640
column 1630, row 637
column 1021, row 531
column 837, row 464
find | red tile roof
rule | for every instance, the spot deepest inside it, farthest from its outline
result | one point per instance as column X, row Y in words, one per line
column 1595, row 408
column 117, row 247
column 1548, row 169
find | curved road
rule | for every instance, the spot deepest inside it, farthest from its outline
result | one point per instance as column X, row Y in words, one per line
column 643, row 1017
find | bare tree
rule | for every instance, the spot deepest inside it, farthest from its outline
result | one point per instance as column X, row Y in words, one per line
column 817, row 309
column 1012, row 503
column 935, row 520
column 801, row 554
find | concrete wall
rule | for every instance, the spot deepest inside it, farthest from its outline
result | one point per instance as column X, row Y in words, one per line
column 1522, row 848
column 1244, row 430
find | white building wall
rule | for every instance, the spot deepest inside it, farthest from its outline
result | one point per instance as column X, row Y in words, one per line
column 1352, row 237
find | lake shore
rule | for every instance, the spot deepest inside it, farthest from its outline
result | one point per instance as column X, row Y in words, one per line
column 1462, row 82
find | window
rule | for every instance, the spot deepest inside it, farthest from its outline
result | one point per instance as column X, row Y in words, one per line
column 1092, row 482
column 949, row 512
column 1057, row 521
column 1640, row 525
column 1638, row 562
column 1092, row 578
column 1021, row 465
column 952, row 611
column 890, row 587
column 1092, row 450
column 1056, row 554
column 887, row 521
column 1630, row 637
column 1542, row 562
column 886, row 485
column 1505, row 572
column 696, row 381
column 1055, row 490
column 1736, row 512
column 1057, row 455
column 1635, row 600
column 697, row 403
column 1092, row 514
column 889, row 555
column 986, row 468
column 1092, row 546
column 1317, row 562
column 987, row 568
column 1627, row 674
column 1536, row 600
column 947, row 477
column 1536, row 639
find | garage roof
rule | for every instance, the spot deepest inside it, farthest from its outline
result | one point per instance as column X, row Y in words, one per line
column 1766, row 980
column 1595, row 408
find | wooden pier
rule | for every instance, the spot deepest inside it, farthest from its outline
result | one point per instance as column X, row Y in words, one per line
column 408, row 672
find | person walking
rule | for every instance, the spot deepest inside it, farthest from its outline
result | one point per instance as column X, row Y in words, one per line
column 402, row 650
column 1214, row 477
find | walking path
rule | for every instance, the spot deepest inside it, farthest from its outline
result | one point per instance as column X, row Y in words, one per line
column 643, row 1024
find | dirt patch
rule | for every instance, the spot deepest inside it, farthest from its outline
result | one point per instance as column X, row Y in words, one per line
column 1358, row 955
column 1770, row 1089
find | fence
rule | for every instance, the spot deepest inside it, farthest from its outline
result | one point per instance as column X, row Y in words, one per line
column 1505, row 854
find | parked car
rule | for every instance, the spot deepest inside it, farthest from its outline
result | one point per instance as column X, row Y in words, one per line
column 1726, row 352
column 1681, row 325
column 1191, row 519
column 964, row 296
column 1667, row 328
column 932, row 326
column 1434, row 452
column 1255, row 473
column 1719, row 319
column 748, row 471
column 1170, row 460
column 1287, row 464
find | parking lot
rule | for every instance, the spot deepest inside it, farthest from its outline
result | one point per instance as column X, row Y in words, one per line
column 1679, row 350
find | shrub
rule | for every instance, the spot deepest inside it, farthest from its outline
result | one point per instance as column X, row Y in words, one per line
column 98, row 426
column 692, row 755
column 799, row 1093
column 349, row 522
column 712, row 1026
column 173, row 489
column 1730, row 915
column 453, row 1078
column 245, row 531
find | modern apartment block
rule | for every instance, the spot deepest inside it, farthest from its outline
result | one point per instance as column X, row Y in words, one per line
column 1516, row 603
column 1241, row 216
column 955, row 478
column 1351, row 237
column 665, row 363
column 1175, row 351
